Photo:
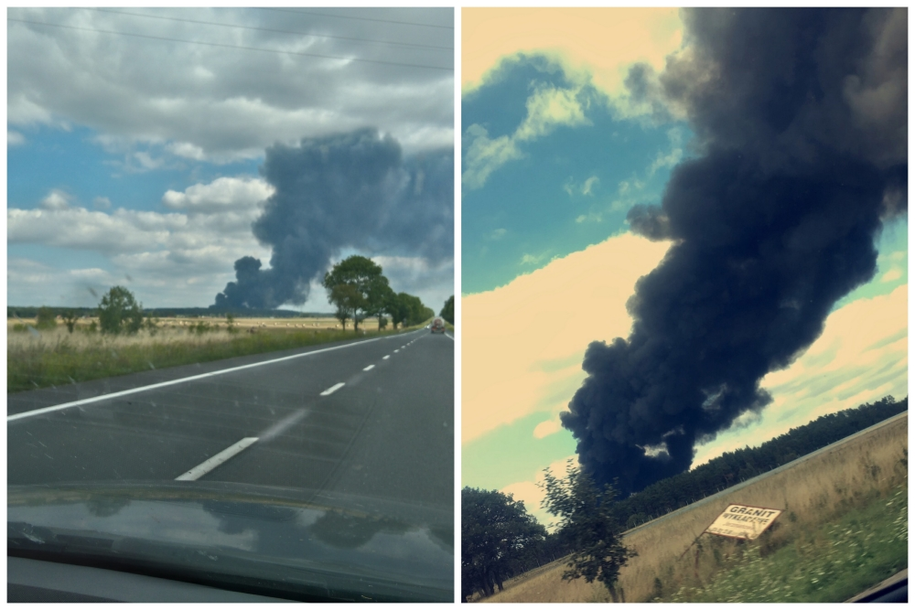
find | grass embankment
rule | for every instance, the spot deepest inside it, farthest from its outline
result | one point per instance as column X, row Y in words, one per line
column 844, row 529
column 37, row 359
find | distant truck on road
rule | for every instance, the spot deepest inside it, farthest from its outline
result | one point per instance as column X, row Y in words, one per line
column 438, row 326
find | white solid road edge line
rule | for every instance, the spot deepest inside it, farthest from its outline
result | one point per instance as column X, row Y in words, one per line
column 223, row 456
column 84, row 401
column 332, row 389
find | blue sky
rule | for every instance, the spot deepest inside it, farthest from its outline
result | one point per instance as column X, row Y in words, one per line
column 555, row 153
column 568, row 189
column 136, row 161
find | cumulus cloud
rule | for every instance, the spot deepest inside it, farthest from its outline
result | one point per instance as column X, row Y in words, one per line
column 532, row 494
column 171, row 255
column 484, row 155
column 548, row 107
column 223, row 194
column 225, row 102
column 56, row 200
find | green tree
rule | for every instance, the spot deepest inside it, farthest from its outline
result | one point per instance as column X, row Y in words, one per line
column 45, row 318
column 70, row 317
column 119, row 312
column 496, row 531
column 586, row 517
column 447, row 311
column 346, row 299
column 398, row 307
column 364, row 280
column 377, row 300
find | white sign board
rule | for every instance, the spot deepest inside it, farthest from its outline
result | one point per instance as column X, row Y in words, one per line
column 747, row 522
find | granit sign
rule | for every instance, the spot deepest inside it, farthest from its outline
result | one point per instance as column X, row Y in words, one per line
column 747, row 522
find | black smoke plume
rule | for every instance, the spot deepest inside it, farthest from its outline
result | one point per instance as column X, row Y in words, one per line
column 800, row 121
column 353, row 190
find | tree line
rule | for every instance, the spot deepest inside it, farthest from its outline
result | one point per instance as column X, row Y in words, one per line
column 355, row 286
column 358, row 289
column 501, row 540
column 734, row 467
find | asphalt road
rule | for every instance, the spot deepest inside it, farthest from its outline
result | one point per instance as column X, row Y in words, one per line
column 373, row 418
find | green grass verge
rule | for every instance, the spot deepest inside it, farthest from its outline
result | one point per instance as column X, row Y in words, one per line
column 831, row 563
column 64, row 362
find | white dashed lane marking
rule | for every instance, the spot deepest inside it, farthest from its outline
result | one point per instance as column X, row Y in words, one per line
column 220, row 458
column 369, row 367
column 332, row 389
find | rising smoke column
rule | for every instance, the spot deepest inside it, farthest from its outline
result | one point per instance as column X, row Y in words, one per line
column 353, row 190
column 800, row 119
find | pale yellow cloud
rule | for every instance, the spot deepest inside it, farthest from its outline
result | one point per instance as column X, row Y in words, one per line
column 548, row 427
column 601, row 41
column 523, row 344
column 532, row 494
column 549, row 107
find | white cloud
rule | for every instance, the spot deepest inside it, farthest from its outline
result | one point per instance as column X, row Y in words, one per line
column 432, row 283
column 14, row 138
column 101, row 203
column 220, row 103
column 220, row 195
column 169, row 256
column 56, row 200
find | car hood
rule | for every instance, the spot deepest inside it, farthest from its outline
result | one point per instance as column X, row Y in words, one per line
column 292, row 544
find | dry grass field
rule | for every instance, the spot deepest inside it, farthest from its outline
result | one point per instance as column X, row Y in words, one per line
column 54, row 356
column 814, row 494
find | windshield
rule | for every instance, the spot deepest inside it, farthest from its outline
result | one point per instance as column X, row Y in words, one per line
column 228, row 232
column 684, row 278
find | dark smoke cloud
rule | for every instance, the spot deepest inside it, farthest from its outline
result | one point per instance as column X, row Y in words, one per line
column 353, row 190
column 800, row 120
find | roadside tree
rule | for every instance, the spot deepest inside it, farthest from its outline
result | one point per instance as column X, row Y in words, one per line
column 448, row 310
column 119, row 312
column 587, row 519
column 45, row 319
column 70, row 317
column 363, row 280
column 346, row 299
column 497, row 533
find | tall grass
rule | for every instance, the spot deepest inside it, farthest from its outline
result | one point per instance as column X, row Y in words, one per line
column 54, row 357
column 820, row 498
